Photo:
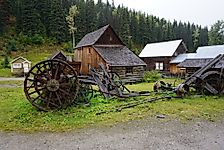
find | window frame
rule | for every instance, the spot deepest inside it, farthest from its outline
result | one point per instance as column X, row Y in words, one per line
column 17, row 65
column 159, row 66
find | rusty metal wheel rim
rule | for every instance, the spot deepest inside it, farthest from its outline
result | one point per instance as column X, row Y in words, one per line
column 51, row 84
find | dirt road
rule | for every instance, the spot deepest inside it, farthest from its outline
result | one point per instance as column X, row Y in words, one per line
column 134, row 135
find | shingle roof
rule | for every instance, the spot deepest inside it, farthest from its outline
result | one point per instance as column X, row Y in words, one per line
column 91, row 38
column 118, row 55
column 203, row 56
column 160, row 49
column 197, row 63
column 209, row 51
column 180, row 58
column 55, row 54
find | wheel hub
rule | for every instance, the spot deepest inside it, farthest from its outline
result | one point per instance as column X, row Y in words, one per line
column 53, row 85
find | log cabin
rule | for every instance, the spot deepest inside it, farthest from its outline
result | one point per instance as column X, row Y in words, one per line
column 158, row 56
column 103, row 46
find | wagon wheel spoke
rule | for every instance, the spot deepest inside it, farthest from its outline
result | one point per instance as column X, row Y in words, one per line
column 65, row 92
column 37, row 91
column 56, row 71
column 58, row 98
column 51, row 84
column 211, row 88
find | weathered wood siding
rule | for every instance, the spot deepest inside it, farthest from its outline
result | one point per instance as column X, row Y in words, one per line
column 151, row 61
column 89, row 58
column 176, row 70
column 109, row 38
column 122, row 71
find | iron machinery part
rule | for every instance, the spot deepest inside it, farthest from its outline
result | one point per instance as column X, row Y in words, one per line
column 182, row 90
column 51, row 84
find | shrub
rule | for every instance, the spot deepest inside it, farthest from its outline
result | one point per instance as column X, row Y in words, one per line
column 11, row 46
column 68, row 47
column 151, row 76
column 37, row 39
column 5, row 62
column 30, row 40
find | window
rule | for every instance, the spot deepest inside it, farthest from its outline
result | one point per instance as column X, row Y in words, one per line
column 159, row 65
column 89, row 51
column 129, row 70
column 17, row 65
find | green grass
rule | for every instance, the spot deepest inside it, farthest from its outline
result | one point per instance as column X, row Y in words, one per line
column 17, row 83
column 17, row 114
column 5, row 73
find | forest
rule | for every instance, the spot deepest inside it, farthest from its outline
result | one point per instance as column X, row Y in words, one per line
column 39, row 21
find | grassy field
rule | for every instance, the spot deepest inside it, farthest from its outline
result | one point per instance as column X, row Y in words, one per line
column 34, row 54
column 17, row 114
column 5, row 72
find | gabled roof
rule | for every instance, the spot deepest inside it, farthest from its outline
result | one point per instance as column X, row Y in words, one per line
column 161, row 49
column 118, row 55
column 56, row 54
column 181, row 57
column 209, row 51
column 194, row 63
column 20, row 57
column 203, row 56
column 93, row 37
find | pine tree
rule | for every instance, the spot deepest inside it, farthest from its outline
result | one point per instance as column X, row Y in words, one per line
column 31, row 19
column 57, row 22
column 216, row 34
column 4, row 14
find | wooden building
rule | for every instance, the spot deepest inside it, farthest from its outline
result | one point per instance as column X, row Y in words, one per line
column 20, row 66
column 158, row 56
column 59, row 55
column 174, row 69
column 105, row 47
column 202, row 56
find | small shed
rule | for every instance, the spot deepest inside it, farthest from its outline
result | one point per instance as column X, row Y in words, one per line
column 177, row 60
column 157, row 56
column 59, row 55
column 103, row 46
column 20, row 65
column 202, row 56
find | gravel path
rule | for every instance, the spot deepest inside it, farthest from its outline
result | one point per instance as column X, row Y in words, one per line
column 12, row 79
column 134, row 135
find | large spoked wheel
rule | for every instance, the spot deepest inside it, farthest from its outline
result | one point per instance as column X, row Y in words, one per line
column 51, row 84
column 213, row 82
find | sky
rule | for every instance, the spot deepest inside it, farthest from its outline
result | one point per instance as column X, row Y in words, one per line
column 202, row 12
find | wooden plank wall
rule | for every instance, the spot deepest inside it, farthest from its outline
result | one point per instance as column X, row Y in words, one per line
column 89, row 58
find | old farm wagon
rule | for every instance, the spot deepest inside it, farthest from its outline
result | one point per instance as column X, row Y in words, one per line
column 101, row 59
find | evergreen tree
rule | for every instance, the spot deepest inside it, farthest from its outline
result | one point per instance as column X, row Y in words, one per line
column 31, row 19
column 57, row 23
column 216, row 34
column 4, row 14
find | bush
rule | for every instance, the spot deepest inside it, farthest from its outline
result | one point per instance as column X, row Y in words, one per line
column 30, row 40
column 5, row 62
column 11, row 46
column 151, row 76
column 37, row 39
column 68, row 47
